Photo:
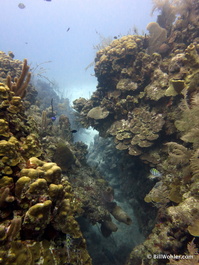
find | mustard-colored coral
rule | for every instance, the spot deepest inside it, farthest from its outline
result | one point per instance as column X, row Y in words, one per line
column 4, row 92
column 34, row 194
column 20, row 185
column 38, row 216
column 4, row 128
column 6, row 181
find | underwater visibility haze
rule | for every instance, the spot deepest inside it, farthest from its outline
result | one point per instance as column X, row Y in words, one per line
column 99, row 132
column 39, row 32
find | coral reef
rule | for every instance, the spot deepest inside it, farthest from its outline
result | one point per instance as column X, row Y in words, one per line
column 16, row 75
column 39, row 202
column 38, row 207
column 20, row 84
column 150, row 95
column 63, row 156
column 147, row 102
column 140, row 130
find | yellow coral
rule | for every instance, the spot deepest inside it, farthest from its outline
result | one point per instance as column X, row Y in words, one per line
column 53, row 174
column 4, row 129
column 4, row 91
column 7, row 170
column 55, row 190
column 20, row 184
column 32, row 173
column 5, row 181
column 38, row 186
column 38, row 215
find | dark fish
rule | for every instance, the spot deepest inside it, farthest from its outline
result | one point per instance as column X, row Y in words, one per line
column 115, row 37
column 48, row 0
column 52, row 115
column 21, row 6
column 68, row 29
column 74, row 131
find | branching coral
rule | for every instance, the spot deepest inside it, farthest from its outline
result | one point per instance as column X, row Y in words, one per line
column 20, row 84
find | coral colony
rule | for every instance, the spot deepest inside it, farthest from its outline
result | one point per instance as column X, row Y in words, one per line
column 147, row 102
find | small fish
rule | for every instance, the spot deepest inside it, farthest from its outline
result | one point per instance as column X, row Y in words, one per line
column 21, row 6
column 52, row 115
column 48, row 0
column 73, row 131
column 155, row 173
column 67, row 29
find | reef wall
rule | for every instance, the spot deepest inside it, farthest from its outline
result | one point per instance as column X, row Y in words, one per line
column 37, row 204
column 147, row 100
column 46, row 184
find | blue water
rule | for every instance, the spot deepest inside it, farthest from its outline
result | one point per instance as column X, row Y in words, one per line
column 39, row 33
